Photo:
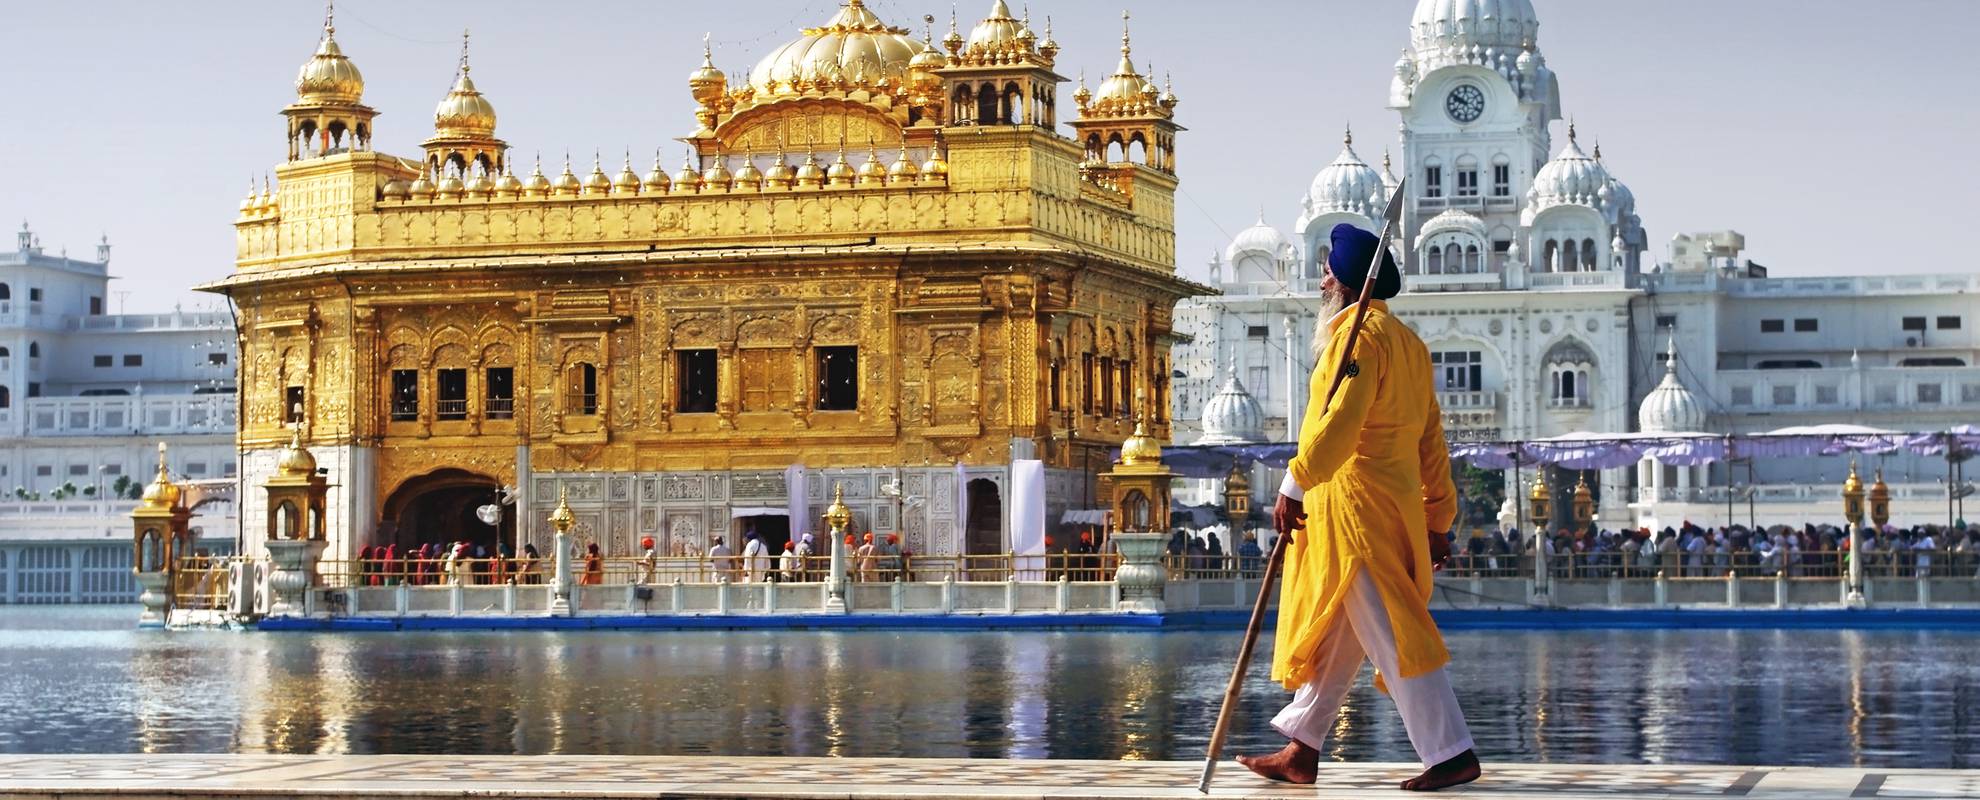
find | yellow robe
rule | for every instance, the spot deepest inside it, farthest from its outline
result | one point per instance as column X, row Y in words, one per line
column 1376, row 477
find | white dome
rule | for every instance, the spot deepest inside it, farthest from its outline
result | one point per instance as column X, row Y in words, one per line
column 1347, row 185
column 1671, row 408
column 1455, row 24
column 1571, row 178
column 1259, row 238
column 1232, row 416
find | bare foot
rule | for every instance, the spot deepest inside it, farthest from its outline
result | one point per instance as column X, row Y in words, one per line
column 1461, row 768
column 1297, row 763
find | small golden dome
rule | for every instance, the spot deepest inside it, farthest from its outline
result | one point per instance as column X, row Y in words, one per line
column 1852, row 484
column 872, row 172
column 780, row 176
column 567, row 184
column 688, row 179
column 656, row 179
column 464, row 112
column 998, row 37
column 707, row 83
column 449, row 187
column 928, row 59
column 395, row 189
column 627, row 183
column 423, row 186
column 296, row 461
column 561, row 518
column 841, row 173
column 597, row 182
column 903, row 169
column 253, row 199
column 328, row 77
column 717, row 175
column 1125, row 92
column 853, row 49
column 507, row 185
column 537, row 185
column 809, row 176
column 161, row 493
column 1140, row 447
column 748, row 177
column 936, row 168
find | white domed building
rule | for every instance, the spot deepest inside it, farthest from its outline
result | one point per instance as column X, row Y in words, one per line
column 1528, row 275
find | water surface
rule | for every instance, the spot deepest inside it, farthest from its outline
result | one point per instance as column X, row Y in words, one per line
column 81, row 680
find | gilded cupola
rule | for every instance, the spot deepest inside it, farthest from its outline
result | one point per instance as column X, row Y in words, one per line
column 329, row 78
column 463, row 138
column 1124, row 93
column 852, row 50
column 161, row 493
column 329, row 115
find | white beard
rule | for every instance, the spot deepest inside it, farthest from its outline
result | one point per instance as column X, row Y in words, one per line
column 1331, row 303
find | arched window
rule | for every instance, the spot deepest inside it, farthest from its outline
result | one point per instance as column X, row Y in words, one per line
column 1564, row 387
column 6, row 397
column 987, row 99
column 6, row 292
column 1569, row 256
column 1547, row 258
column 288, row 521
column 1013, row 105
column 581, row 389
column 34, row 349
column 1453, row 259
column 4, row 352
column 1588, row 255
column 1436, row 266
column 1471, row 258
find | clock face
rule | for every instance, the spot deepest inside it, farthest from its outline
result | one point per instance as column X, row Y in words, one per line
column 1465, row 103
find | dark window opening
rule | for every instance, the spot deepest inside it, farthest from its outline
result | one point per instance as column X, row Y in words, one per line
column 101, row 361
column 1667, row 321
column 1127, row 389
column 452, row 387
column 218, row 359
column 1788, row 363
column 405, row 395
column 95, row 306
column 292, row 404
column 838, row 378
column 1773, row 325
column 1502, row 180
column 695, row 369
column 1467, row 183
column 34, row 295
column 1057, row 376
column 581, row 389
column 1948, row 323
column 1106, row 385
column 1805, row 325
column 1932, row 361
column 133, row 360
column 1913, row 323
column 1433, row 181
column 1260, row 331
column 1088, row 385
column 501, row 385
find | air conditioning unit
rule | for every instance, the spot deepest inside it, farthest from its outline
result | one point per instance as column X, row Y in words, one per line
column 1910, row 341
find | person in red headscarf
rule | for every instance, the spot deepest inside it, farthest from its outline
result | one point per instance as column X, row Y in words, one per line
column 594, row 565
column 868, row 558
column 364, row 566
column 649, row 560
column 390, row 565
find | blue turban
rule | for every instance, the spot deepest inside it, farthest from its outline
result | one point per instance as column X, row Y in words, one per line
column 1353, row 250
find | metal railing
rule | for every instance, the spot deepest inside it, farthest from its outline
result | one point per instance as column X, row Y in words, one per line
column 624, row 570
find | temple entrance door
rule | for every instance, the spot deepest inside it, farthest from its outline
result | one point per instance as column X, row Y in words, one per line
column 774, row 530
column 986, row 519
column 439, row 507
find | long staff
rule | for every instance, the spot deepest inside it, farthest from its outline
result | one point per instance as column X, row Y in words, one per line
column 1391, row 218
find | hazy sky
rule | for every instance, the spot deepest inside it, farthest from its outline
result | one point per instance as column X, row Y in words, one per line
column 1837, row 139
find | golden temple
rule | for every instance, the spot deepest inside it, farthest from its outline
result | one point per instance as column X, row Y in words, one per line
column 882, row 264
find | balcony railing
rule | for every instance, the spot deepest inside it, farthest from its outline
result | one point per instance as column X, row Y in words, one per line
column 1473, row 281
column 124, row 415
column 150, row 322
column 1578, row 280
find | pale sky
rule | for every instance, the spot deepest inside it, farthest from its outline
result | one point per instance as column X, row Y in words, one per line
column 1836, row 134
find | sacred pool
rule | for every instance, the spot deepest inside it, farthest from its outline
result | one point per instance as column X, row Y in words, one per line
column 81, row 680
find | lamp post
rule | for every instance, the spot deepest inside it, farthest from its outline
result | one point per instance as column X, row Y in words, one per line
column 1852, row 493
column 561, row 520
column 1540, row 499
column 837, row 517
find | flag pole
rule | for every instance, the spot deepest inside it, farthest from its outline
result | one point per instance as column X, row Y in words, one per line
column 1391, row 218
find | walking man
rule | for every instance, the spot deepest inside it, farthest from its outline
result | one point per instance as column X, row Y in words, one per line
column 1371, row 480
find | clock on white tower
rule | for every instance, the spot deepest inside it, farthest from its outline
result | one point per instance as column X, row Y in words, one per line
column 1465, row 103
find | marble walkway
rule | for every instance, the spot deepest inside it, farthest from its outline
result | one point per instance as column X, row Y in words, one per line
column 134, row 777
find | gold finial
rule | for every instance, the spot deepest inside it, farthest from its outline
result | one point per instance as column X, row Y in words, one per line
column 707, row 52
column 330, row 19
column 464, row 52
column 837, row 515
column 561, row 518
column 1124, row 33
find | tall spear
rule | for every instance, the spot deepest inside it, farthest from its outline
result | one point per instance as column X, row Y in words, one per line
column 1391, row 219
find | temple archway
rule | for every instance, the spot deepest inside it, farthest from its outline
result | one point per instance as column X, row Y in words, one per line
column 440, row 507
column 986, row 519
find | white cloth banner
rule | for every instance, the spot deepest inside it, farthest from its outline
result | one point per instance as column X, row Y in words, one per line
column 1028, row 518
column 1084, row 516
column 795, row 496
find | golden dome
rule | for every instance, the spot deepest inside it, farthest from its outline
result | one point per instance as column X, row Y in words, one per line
column 656, row 179
column 841, row 172
column 597, row 182
column 809, row 176
column 928, row 59
column 748, row 177
column 537, row 185
column 688, row 179
column 567, row 183
column 296, row 461
column 161, row 493
column 464, row 112
column 395, row 189
column 872, row 173
column 561, row 518
column 628, row 181
column 999, row 38
column 1125, row 92
column 422, row 186
column 936, row 167
column 717, row 175
column 780, row 175
column 507, row 185
column 706, row 83
column 1140, row 447
column 903, row 170
column 853, row 49
column 328, row 77
column 449, row 186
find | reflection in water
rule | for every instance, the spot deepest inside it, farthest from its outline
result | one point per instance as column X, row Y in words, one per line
column 81, row 680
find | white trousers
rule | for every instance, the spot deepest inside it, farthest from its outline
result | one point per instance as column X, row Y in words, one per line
column 1428, row 705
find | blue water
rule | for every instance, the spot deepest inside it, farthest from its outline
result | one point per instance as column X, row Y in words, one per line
column 81, row 680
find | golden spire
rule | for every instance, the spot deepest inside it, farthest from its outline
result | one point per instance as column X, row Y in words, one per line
column 717, row 176
column 506, row 186
column 561, row 518
column 809, row 175
column 628, row 181
column 161, row 494
column 841, row 172
column 328, row 77
column 597, row 182
column 566, row 184
column 903, row 170
column 872, row 173
column 936, row 168
column 656, row 178
column 537, row 185
column 688, row 179
column 748, row 177
column 780, row 175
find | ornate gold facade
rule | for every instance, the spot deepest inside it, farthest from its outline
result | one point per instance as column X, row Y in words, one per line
column 976, row 278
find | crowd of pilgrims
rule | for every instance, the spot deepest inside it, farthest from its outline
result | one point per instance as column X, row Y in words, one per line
column 1690, row 550
column 434, row 563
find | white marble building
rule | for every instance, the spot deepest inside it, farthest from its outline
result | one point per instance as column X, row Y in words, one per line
column 1528, row 273
column 85, row 398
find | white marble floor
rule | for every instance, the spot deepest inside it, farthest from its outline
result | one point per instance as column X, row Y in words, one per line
column 133, row 777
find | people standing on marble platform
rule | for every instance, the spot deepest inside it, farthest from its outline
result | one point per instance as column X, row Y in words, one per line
column 649, row 560
column 867, row 557
column 807, row 548
column 531, row 560
column 756, row 558
column 788, row 568
column 594, row 565
column 719, row 559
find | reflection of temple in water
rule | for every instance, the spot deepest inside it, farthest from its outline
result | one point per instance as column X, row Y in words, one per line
column 883, row 259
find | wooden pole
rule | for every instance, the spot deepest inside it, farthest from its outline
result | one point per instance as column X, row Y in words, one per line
column 1278, row 557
